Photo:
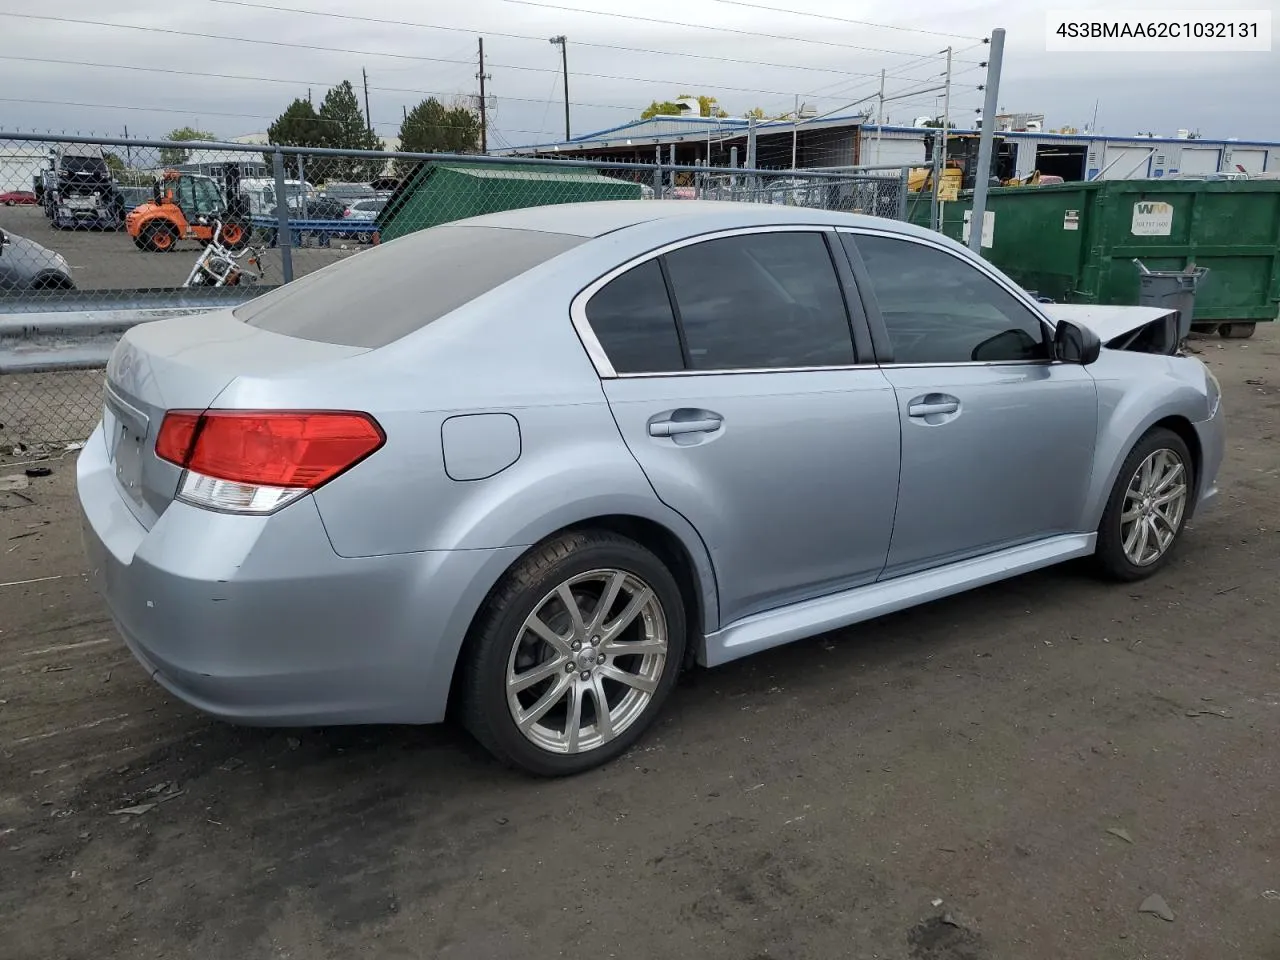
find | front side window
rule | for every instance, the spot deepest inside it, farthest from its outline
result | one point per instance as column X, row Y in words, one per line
column 760, row 301
column 208, row 200
column 939, row 309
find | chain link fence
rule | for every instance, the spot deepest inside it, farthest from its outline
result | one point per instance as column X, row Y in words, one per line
column 114, row 227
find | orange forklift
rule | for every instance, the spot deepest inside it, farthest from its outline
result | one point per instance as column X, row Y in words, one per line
column 185, row 206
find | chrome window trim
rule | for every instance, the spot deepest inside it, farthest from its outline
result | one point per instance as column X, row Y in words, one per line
column 595, row 350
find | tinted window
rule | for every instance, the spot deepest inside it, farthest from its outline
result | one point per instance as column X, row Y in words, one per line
column 939, row 309
column 761, row 300
column 382, row 294
column 631, row 316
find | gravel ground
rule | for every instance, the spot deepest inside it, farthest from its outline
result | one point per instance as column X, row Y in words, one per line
column 1007, row 774
column 108, row 260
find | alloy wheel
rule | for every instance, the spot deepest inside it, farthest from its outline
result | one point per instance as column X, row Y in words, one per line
column 587, row 661
column 1154, row 506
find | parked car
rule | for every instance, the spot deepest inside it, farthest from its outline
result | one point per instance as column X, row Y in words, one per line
column 366, row 210
column 26, row 265
column 532, row 464
column 15, row 198
column 134, row 197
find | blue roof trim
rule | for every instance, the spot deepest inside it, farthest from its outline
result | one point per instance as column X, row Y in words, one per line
column 732, row 123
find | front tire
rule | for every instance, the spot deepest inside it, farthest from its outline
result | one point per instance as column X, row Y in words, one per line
column 574, row 654
column 1147, row 508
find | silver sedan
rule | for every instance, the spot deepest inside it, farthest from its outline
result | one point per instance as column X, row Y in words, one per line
column 533, row 464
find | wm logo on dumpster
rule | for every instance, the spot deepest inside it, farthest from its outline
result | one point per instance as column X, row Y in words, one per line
column 1152, row 218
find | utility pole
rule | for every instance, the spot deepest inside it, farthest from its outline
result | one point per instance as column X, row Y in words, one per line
column 879, row 115
column 484, row 120
column 128, row 150
column 984, row 141
column 563, row 44
column 368, row 118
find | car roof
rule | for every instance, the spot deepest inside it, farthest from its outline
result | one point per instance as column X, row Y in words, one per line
column 595, row 219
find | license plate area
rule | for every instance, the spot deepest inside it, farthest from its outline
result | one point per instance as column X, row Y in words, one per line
column 125, row 427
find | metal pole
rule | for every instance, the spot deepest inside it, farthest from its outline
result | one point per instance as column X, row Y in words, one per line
column 368, row 118
column 795, row 130
column 752, row 183
column 939, row 145
column 563, row 43
column 128, row 151
column 946, row 123
column 657, row 173
column 733, row 177
column 283, row 238
column 484, row 126
column 984, row 141
column 302, row 186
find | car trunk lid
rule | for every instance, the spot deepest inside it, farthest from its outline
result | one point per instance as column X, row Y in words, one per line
column 184, row 363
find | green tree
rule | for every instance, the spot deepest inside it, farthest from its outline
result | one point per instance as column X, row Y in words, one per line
column 172, row 155
column 431, row 127
column 707, row 107
column 298, row 126
column 343, row 127
column 756, row 113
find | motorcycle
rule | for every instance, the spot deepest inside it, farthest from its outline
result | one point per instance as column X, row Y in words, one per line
column 220, row 266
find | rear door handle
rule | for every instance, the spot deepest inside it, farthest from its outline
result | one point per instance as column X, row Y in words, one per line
column 675, row 428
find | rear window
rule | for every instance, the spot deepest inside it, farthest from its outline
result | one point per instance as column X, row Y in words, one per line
column 383, row 294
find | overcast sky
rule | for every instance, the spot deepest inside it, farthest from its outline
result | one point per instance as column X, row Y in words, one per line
column 1219, row 95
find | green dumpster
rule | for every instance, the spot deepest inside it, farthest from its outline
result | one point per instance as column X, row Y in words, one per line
column 438, row 193
column 1076, row 242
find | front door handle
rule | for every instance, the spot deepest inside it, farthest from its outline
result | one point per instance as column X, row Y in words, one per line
column 932, row 404
column 675, row 428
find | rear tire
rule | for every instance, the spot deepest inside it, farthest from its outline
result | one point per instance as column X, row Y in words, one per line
column 1147, row 509
column 159, row 237
column 1236, row 331
column 584, row 700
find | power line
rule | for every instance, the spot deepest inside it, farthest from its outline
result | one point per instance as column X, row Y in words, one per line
column 372, row 53
column 319, row 83
column 540, row 39
column 860, row 23
column 204, row 113
column 701, row 26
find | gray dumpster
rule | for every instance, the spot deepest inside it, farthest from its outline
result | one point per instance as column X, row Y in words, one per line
column 1172, row 290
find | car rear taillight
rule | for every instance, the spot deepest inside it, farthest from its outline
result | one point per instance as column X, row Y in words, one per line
column 257, row 461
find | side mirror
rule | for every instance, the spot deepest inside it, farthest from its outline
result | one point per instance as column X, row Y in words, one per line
column 4, row 239
column 1073, row 344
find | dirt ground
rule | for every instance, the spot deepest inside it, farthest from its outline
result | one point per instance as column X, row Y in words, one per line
column 108, row 260
column 1007, row 774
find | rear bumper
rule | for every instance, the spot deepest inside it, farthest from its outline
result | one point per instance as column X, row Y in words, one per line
column 257, row 620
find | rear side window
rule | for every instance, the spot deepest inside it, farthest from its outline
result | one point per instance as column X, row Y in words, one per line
column 631, row 316
column 383, row 294
column 766, row 300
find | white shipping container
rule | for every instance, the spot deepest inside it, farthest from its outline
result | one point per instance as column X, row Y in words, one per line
column 19, row 170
